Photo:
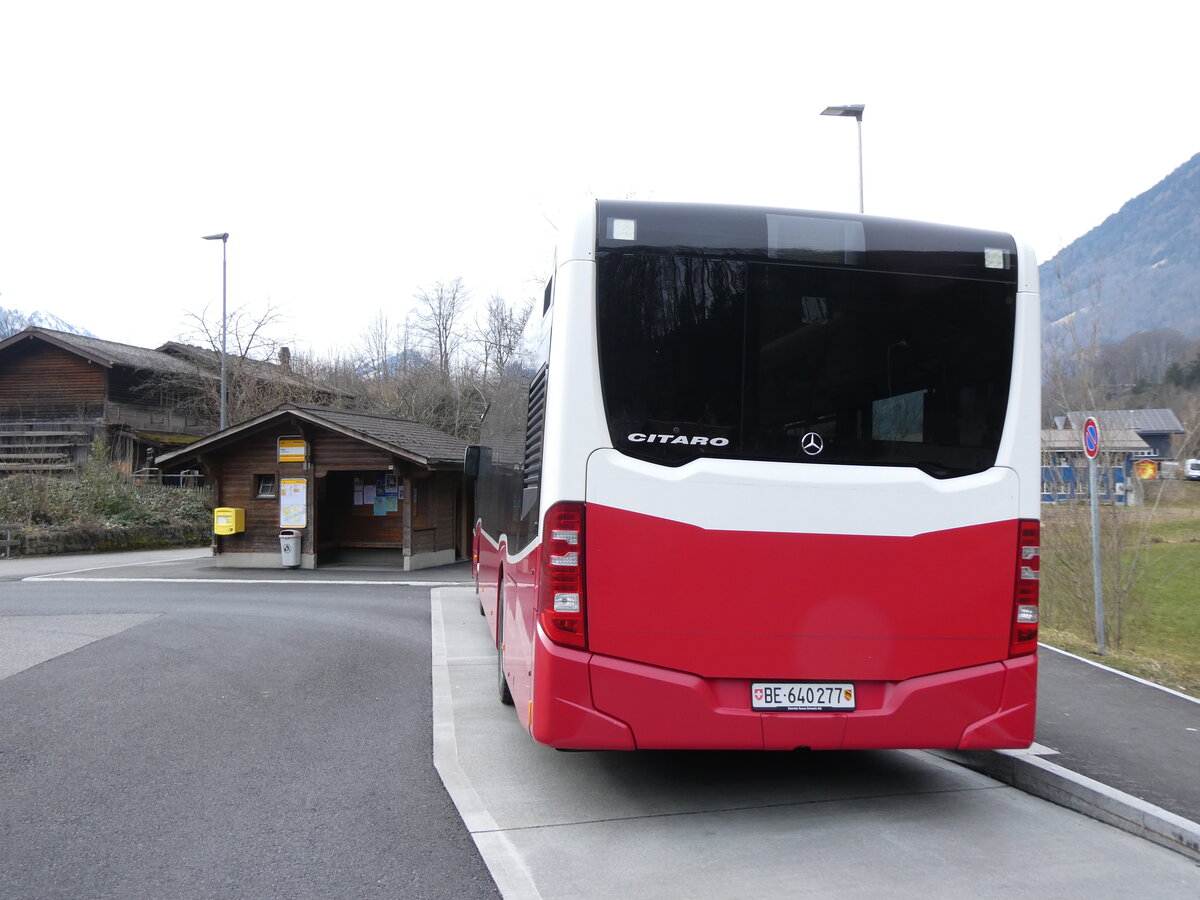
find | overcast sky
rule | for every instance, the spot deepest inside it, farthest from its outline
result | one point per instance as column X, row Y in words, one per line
column 359, row 151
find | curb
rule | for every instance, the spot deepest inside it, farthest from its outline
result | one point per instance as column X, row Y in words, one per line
column 1027, row 772
column 513, row 879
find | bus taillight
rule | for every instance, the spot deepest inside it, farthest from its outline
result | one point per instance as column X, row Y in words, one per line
column 561, row 595
column 1025, row 596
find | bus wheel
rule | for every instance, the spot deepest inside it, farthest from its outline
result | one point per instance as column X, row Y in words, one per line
column 506, row 696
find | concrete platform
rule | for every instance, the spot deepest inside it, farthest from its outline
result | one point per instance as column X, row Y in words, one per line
column 863, row 824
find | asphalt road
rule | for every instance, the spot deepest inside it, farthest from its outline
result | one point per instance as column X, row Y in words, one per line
column 214, row 740
column 173, row 729
column 1122, row 732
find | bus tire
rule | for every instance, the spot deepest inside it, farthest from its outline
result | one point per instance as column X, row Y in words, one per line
column 506, row 696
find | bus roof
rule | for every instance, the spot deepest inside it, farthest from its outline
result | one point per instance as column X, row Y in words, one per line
column 809, row 237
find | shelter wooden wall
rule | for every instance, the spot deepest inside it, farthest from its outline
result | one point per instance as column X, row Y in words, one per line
column 435, row 507
column 236, row 472
column 430, row 506
column 338, row 452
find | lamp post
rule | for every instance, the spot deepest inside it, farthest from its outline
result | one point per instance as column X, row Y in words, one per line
column 855, row 110
column 224, row 239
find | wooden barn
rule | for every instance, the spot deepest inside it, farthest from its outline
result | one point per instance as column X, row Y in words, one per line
column 349, row 486
column 60, row 391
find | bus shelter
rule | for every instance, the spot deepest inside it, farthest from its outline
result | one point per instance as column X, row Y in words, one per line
column 330, row 486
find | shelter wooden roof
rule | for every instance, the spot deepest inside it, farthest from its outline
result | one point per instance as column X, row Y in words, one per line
column 409, row 440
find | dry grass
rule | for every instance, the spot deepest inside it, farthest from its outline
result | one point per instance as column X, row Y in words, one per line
column 1151, row 585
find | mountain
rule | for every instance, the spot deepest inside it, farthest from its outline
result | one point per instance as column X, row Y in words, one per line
column 397, row 362
column 1138, row 270
column 13, row 320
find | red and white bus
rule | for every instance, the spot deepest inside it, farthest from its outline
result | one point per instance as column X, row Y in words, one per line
column 771, row 482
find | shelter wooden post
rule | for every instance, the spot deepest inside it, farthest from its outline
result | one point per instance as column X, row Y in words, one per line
column 408, row 529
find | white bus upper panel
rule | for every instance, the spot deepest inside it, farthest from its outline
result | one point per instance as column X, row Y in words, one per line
column 882, row 352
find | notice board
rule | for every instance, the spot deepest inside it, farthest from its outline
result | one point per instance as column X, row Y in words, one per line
column 293, row 502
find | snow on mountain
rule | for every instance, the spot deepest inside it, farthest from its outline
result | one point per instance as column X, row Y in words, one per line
column 14, row 320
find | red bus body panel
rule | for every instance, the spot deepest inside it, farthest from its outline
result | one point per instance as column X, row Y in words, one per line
column 964, row 709
column 725, row 604
column 919, row 624
column 583, row 700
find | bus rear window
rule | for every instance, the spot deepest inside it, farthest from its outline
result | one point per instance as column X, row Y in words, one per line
column 785, row 361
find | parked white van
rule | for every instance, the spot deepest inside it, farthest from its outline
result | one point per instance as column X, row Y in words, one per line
column 1191, row 470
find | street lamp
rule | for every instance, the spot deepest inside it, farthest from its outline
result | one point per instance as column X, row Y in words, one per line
column 224, row 239
column 855, row 110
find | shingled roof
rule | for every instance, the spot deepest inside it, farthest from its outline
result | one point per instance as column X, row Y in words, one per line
column 409, row 440
column 1118, row 440
column 1143, row 421
column 172, row 358
column 429, row 443
column 108, row 354
column 208, row 360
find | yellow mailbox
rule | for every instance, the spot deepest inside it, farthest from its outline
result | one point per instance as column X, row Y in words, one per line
column 228, row 520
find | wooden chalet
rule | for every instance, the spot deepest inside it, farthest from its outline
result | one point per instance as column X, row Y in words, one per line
column 351, row 486
column 59, row 391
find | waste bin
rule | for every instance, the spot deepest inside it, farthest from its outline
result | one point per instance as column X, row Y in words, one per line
column 289, row 548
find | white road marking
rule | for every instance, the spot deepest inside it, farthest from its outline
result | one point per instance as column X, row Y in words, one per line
column 297, row 581
column 26, row 641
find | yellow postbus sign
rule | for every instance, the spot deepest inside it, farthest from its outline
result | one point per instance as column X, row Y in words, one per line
column 292, row 450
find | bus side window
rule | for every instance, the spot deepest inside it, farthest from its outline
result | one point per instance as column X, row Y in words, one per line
column 535, row 432
column 549, row 291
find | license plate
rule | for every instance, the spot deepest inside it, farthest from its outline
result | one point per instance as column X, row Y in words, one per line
column 801, row 696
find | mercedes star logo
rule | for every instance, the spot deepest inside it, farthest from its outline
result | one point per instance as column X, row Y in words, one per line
column 812, row 443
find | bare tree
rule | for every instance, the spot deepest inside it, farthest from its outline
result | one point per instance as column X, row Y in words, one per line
column 439, row 320
column 1071, row 354
column 261, row 372
column 422, row 371
column 499, row 336
column 377, row 348
column 1185, row 401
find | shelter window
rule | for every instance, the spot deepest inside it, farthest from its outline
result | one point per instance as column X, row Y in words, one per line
column 266, row 487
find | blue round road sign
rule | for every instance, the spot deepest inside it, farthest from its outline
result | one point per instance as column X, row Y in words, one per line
column 1091, row 438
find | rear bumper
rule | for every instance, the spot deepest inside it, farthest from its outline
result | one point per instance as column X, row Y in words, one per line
column 583, row 700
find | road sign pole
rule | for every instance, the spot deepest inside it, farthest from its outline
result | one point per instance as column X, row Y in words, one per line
column 1093, row 489
column 1091, row 447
